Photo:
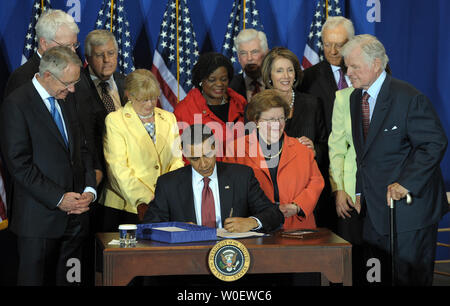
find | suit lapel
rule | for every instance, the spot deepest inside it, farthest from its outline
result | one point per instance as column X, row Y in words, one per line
column 162, row 128
column 286, row 155
column 252, row 147
column 66, row 115
column 186, row 193
column 379, row 113
column 328, row 83
column 44, row 115
column 225, row 191
column 137, row 128
column 355, row 111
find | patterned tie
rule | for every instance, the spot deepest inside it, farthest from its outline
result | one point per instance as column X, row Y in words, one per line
column 208, row 207
column 342, row 82
column 57, row 118
column 365, row 113
column 106, row 98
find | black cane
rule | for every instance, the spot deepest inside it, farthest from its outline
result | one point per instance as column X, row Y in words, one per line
column 392, row 236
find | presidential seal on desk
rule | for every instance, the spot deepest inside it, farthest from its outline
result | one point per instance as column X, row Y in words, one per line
column 229, row 260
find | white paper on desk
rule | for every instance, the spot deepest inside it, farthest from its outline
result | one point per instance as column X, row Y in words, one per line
column 114, row 242
column 223, row 233
column 170, row 229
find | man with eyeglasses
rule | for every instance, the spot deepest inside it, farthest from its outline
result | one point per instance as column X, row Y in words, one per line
column 251, row 46
column 105, row 86
column 54, row 181
column 325, row 78
column 54, row 28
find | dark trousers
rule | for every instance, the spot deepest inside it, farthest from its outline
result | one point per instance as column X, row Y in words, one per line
column 415, row 254
column 111, row 218
column 351, row 230
column 43, row 261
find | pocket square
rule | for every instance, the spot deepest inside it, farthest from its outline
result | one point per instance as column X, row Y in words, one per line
column 394, row 127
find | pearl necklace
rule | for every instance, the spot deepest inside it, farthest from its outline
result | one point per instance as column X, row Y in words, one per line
column 145, row 117
column 293, row 99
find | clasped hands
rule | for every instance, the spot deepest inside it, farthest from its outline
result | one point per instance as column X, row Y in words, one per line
column 76, row 203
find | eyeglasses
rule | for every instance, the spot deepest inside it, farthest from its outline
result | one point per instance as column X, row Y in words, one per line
column 66, row 84
column 246, row 53
column 333, row 45
column 281, row 119
column 74, row 45
column 146, row 100
column 107, row 54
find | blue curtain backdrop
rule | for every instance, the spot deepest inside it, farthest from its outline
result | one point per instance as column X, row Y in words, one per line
column 416, row 34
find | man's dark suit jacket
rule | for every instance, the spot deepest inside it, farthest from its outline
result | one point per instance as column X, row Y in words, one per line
column 405, row 144
column 174, row 199
column 22, row 74
column 94, row 107
column 319, row 81
column 42, row 166
column 238, row 84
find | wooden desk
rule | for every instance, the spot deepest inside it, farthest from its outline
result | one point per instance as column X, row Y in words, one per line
column 328, row 254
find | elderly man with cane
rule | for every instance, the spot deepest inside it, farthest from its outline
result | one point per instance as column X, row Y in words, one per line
column 399, row 143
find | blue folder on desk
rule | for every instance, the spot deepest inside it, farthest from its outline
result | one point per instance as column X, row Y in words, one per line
column 175, row 232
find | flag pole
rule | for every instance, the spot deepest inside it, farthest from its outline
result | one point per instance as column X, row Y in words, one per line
column 112, row 5
column 42, row 6
column 243, row 15
column 178, row 55
column 326, row 9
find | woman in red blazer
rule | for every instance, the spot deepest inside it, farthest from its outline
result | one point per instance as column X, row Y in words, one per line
column 285, row 168
column 212, row 102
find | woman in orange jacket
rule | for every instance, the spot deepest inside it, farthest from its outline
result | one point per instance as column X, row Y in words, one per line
column 285, row 168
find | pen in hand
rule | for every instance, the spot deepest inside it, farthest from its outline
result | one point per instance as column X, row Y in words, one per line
column 231, row 212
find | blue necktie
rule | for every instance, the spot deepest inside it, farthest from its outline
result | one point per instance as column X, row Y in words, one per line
column 57, row 118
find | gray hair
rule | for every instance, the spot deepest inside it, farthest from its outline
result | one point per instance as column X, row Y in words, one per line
column 370, row 46
column 51, row 20
column 335, row 21
column 56, row 59
column 98, row 38
column 250, row 34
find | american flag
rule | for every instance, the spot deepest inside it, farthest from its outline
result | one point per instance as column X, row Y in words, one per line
column 3, row 218
column 314, row 49
column 120, row 29
column 31, row 42
column 236, row 24
column 165, row 56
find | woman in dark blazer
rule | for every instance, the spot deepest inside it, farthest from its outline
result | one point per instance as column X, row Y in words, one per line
column 281, row 71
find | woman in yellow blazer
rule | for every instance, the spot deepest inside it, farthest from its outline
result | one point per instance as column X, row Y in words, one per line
column 341, row 151
column 141, row 143
column 343, row 169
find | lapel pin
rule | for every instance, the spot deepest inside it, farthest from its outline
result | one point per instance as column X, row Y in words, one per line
column 227, row 187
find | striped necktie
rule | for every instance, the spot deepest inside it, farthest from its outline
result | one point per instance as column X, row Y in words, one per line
column 342, row 82
column 365, row 113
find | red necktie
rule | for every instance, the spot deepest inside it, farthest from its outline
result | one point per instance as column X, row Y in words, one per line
column 208, row 207
column 365, row 113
